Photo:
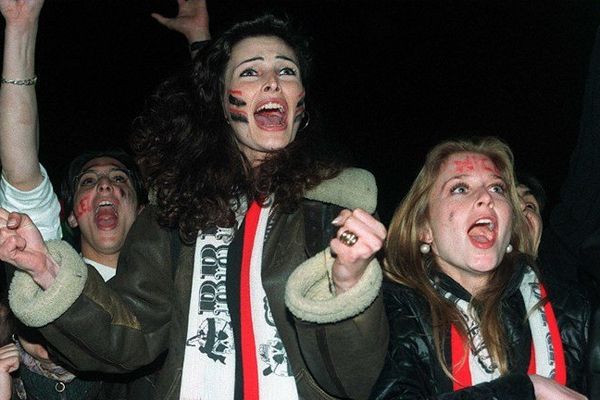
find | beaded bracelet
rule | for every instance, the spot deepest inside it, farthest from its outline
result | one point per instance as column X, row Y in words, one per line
column 20, row 82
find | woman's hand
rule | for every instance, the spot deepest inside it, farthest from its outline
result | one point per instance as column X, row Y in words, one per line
column 360, row 236
column 21, row 11
column 549, row 389
column 22, row 245
column 9, row 362
column 191, row 20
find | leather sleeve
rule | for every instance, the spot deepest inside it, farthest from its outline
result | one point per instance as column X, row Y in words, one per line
column 411, row 365
column 345, row 357
column 121, row 325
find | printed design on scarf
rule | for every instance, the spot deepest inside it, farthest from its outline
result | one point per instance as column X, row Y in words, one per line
column 214, row 336
column 272, row 353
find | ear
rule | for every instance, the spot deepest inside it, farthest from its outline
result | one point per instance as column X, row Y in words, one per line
column 72, row 221
column 425, row 234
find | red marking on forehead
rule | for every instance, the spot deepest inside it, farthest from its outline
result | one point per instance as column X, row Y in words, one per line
column 238, row 92
column 234, row 111
column 84, row 206
column 469, row 163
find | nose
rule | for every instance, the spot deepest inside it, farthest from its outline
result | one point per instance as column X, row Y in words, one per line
column 104, row 184
column 485, row 198
column 272, row 83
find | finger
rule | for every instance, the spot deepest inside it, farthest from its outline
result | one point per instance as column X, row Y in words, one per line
column 369, row 220
column 365, row 233
column 341, row 217
column 162, row 20
column 14, row 220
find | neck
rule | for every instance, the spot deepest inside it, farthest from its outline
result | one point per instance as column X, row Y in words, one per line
column 110, row 260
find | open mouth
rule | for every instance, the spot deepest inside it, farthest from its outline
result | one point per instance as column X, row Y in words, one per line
column 106, row 215
column 483, row 233
column 271, row 116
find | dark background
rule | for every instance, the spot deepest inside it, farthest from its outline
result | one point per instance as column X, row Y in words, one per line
column 392, row 77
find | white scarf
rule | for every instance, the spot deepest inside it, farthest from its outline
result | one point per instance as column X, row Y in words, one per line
column 209, row 361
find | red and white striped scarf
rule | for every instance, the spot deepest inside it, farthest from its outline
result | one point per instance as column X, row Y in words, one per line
column 209, row 370
column 471, row 363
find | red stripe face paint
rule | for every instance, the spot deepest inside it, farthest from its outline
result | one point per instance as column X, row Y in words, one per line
column 469, row 163
column 237, row 115
column 84, row 205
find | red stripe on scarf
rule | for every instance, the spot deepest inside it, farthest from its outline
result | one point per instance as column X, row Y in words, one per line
column 559, row 353
column 462, row 373
column 460, row 360
column 249, row 362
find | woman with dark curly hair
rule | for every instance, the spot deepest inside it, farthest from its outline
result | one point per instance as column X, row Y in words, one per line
column 226, row 287
column 470, row 315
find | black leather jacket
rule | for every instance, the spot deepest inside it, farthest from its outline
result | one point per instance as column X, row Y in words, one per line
column 412, row 370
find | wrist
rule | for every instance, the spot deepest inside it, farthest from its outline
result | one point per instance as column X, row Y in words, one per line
column 46, row 276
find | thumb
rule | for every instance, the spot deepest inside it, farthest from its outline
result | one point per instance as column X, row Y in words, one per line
column 162, row 20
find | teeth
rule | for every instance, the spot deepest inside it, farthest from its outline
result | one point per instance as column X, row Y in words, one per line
column 271, row 106
column 105, row 203
column 486, row 221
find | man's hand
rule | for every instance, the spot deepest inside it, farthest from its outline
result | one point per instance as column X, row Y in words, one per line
column 191, row 20
column 360, row 236
column 21, row 244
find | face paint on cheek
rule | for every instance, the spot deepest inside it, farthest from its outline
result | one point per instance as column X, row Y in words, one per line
column 234, row 114
column 238, row 116
column 234, row 101
column 84, row 206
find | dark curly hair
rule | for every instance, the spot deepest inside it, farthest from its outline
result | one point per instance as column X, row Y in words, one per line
column 188, row 153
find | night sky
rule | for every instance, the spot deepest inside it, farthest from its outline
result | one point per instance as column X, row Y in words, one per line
column 392, row 78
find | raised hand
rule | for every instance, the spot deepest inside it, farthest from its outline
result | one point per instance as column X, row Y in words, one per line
column 21, row 244
column 20, row 11
column 360, row 236
column 191, row 20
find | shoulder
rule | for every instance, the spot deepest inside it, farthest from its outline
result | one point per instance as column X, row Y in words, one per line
column 406, row 308
column 351, row 188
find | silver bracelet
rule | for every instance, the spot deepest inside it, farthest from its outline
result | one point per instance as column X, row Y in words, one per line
column 20, row 82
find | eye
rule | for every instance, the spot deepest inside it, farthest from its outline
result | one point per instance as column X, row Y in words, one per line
column 119, row 176
column 248, row 72
column 88, row 180
column 531, row 207
column 459, row 188
column 287, row 71
column 498, row 188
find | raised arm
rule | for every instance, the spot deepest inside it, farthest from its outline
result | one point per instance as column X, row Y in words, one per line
column 18, row 107
column 25, row 186
column 191, row 21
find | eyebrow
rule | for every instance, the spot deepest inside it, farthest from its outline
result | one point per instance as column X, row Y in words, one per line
column 462, row 176
column 260, row 58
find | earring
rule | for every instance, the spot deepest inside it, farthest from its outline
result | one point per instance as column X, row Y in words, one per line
column 307, row 120
column 425, row 248
column 509, row 248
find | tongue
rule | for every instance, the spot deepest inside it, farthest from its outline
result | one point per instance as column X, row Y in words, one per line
column 269, row 119
column 106, row 218
column 480, row 234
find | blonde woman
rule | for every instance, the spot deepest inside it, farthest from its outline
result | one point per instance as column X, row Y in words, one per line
column 470, row 316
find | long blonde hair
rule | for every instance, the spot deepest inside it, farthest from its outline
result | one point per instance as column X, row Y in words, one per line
column 405, row 264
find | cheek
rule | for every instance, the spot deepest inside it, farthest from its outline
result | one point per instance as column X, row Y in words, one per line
column 84, row 205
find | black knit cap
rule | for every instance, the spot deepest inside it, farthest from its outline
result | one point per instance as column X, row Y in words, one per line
column 68, row 185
